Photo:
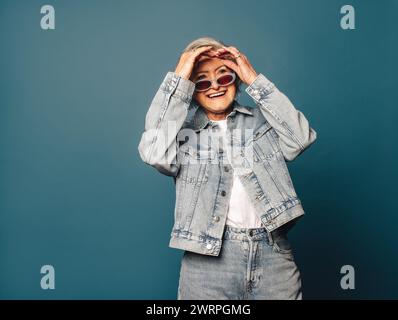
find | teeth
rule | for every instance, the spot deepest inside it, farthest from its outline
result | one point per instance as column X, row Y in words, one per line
column 216, row 94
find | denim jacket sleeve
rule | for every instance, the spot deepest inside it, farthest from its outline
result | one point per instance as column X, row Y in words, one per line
column 293, row 129
column 164, row 119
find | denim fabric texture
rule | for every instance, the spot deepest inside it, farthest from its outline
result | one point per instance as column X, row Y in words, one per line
column 263, row 138
column 252, row 265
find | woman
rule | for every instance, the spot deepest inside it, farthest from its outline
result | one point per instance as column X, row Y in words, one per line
column 235, row 200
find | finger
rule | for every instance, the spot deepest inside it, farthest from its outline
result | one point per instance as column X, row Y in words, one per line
column 232, row 65
column 200, row 53
column 226, row 56
column 201, row 58
column 222, row 51
column 210, row 54
column 200, row 50
column 242, row 58
column 233, row 50
column 233, row 57
column 236, row 55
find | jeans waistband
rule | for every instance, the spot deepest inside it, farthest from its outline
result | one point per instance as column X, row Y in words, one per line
column 245, row 234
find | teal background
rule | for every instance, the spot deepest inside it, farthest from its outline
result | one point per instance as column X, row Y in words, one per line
column 75, row 194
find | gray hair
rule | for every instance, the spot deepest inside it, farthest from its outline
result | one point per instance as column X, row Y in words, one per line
column 216, row 44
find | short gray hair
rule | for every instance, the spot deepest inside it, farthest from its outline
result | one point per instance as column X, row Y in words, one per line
column 216, row 44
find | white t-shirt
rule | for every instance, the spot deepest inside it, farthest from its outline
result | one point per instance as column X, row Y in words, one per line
column 241, row 213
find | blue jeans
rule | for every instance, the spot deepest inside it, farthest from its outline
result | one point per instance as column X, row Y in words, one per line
column 252, row 265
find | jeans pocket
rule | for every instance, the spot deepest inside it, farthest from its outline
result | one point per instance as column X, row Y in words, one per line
column 281, row 244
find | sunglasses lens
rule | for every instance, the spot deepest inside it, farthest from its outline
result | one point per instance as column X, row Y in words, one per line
column 202, row 85
column 225, row 80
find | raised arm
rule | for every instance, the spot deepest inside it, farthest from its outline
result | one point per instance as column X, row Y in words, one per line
column 294, row 131
column 292, row 127
column 166, row 116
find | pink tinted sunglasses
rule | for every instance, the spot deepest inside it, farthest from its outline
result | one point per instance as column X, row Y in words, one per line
column 223, row 80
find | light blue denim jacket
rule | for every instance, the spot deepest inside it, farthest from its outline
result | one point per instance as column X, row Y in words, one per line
column 265, row 136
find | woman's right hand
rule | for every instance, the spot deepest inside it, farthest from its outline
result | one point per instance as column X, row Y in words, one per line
column 187, row 62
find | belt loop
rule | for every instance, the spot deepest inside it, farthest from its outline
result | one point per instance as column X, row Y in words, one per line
column 270, row 238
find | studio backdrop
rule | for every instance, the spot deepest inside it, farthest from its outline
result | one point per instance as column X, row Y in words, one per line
column 79, row 204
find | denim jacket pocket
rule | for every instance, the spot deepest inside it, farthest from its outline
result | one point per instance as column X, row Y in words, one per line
column 193, row 174
column 265, row 143
column 267, row 154
column 192, row 155
column 262, row 130
column 194, row 167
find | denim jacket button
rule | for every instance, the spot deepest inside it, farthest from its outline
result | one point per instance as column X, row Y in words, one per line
column 226, row 169
column 223, row 193
column 209, row 246
column 216, row 218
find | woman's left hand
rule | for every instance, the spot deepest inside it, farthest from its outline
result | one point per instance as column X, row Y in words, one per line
column 242, row 66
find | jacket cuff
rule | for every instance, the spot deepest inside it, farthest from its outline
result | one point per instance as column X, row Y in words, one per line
column 182, row 88
column 260, row 87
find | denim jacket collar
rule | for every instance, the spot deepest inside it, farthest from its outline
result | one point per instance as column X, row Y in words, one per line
column 200, row 119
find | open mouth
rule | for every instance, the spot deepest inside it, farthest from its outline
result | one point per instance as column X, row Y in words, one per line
column 216, row 95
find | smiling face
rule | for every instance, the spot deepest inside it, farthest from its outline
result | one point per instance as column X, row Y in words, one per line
column 215, row 107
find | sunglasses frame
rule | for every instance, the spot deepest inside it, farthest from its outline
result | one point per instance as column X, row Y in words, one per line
column 233, row 74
